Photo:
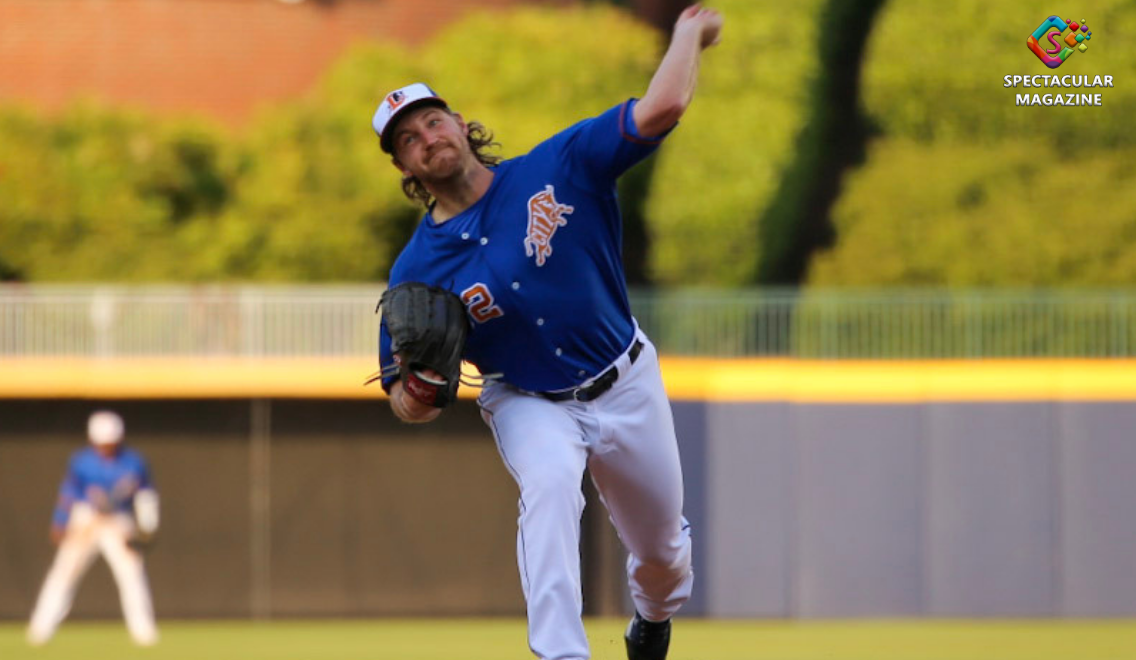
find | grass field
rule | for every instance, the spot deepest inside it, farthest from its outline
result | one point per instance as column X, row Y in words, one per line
column 504, row 639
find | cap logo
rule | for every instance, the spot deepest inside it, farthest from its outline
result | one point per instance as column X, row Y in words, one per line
column 395, row 99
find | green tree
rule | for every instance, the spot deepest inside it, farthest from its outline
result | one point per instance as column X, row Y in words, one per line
column 797, row 223
column 721, row 166
column 101, row 194
column 305, row 193
column 990, row 219
column 317, row 200
column 965, row 188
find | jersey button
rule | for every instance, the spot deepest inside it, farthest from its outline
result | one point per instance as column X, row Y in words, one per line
column 516, row 285
column 465, row 235
column 559, row 352
column 540, row 321
column 581, row 373
column 484, row 241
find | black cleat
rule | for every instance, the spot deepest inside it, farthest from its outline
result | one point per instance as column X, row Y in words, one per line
column 647, row 640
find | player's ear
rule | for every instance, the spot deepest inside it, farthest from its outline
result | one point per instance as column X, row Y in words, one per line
column 396, row 163
column 461, row 122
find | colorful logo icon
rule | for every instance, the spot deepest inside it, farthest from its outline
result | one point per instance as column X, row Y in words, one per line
column 1064, row 35
column 395, row 99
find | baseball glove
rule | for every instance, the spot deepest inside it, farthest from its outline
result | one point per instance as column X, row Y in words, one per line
column 428, row 328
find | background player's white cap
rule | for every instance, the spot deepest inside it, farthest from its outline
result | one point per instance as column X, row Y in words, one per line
column 395, row 104
column 105, row 428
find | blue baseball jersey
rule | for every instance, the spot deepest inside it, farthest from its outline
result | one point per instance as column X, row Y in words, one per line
column 107, row 484
column 538, row 259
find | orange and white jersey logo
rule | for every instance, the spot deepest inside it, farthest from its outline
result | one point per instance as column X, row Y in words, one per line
column 545, row 216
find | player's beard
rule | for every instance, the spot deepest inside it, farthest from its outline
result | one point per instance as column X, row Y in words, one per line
column 443, row 165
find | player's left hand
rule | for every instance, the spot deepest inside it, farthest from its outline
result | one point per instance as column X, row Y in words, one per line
column 428, row 327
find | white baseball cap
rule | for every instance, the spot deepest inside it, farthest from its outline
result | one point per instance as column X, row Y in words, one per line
column 395, row 104
column 105, row 428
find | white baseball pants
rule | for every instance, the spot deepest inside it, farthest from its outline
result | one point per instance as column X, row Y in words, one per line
column 87, row 532
column 626, row 439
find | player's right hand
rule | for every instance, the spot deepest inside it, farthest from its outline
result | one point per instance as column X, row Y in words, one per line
column 409, row 409
column 708, row 23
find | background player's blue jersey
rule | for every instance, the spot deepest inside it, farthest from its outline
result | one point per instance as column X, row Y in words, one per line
column 538, row 259
column 107, row 484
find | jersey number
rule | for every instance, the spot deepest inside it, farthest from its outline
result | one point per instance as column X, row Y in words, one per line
column 480, row 303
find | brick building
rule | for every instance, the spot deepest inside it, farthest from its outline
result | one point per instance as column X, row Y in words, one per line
column 217, row 57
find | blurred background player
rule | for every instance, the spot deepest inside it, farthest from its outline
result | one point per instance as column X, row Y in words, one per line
column 106, row 503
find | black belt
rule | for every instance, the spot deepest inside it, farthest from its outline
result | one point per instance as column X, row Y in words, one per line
column 600, row 385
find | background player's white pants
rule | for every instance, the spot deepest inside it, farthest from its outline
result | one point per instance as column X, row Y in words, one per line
column 88, row 532
column 626, row 439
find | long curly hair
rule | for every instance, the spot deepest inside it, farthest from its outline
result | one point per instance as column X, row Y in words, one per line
column 480, row 142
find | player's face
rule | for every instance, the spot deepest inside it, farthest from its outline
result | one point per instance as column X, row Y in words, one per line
column 431, row 144
column 107, row 451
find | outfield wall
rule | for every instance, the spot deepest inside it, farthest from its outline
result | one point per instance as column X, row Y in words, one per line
column 931, row 509
column 825, row 489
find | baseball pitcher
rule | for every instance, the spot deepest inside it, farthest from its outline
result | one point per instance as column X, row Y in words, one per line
column 532, row 247
column 107, row 504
